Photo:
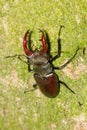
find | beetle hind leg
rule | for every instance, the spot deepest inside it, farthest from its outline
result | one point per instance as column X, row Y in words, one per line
column 76, row 96
column 61, row 82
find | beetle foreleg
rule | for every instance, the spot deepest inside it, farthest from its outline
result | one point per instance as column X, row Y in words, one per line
column 59, row 45
column 19, row 57
column 29, row 68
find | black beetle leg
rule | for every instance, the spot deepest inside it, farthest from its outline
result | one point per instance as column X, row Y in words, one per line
column 61, row 82
column 64, row 65
column 19, row 57
column 29, row 68
column 59, row 45
column 34, row 88
column 27, row 62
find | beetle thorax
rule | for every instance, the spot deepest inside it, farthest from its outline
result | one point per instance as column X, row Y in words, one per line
column 40, row 63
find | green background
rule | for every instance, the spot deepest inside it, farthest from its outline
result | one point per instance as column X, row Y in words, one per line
column 34, row 111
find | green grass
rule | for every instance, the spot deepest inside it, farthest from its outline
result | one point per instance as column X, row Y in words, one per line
column 34, row 111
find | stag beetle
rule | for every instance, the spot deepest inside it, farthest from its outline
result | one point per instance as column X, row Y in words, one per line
column 42, row 62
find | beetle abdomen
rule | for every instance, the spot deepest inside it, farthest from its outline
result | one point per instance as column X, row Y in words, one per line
column 48, row 85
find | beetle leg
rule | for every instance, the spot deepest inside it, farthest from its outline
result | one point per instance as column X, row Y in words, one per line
column 19, row 57
column 61, row 82
column 64, row 65
column 29, row 68
column 59, row 45
column 34, row 88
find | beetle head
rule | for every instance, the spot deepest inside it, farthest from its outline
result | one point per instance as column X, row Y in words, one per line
column 29, row 51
